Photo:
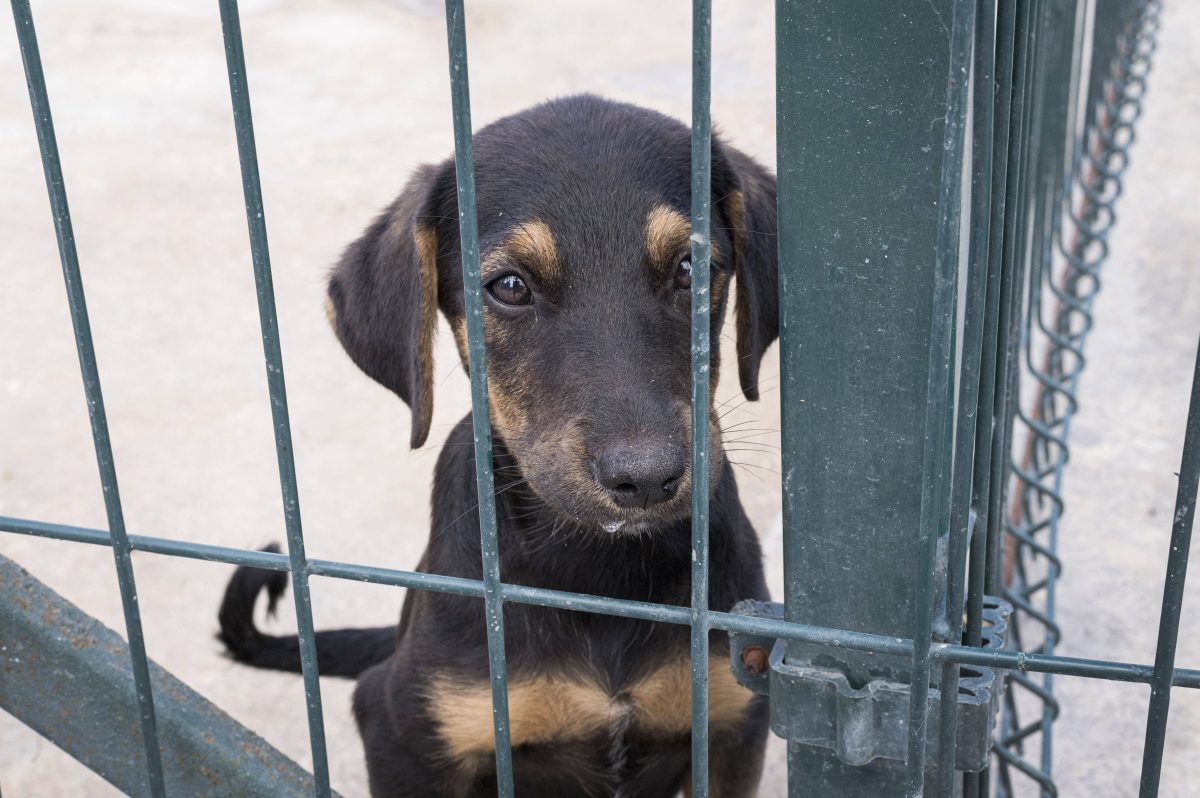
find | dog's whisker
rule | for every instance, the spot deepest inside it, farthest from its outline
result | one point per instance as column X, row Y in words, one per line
column 750, row 473
column 740, row 424
column 742, row 396
column 758, row 384
column 744, row 464
column 750, row 449
column 750, row 438
column 738, row 406
column 475, row 506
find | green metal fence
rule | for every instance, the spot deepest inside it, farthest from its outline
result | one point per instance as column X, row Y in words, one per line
column 937, row 488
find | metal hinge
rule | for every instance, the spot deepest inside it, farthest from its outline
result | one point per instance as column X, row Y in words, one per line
column 819, row 707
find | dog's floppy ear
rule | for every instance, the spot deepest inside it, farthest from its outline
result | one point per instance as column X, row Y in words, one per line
column 383, row 296
column 746, row 195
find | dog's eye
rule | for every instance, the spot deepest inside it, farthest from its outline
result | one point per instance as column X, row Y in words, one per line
column 509, row 289
column 683, row 274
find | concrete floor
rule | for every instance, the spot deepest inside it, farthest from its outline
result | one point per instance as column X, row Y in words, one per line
column 349, row 96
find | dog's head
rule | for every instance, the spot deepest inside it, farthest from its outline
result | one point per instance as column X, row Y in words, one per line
column 583, row 209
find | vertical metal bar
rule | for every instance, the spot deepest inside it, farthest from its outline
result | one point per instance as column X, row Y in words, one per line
column 464, row 162
column 966, row 441
column 1053, row 105
column 1012, row 293
column 1038, row 467
column 701, row 330
column 976, row 785
column 1010, row 296
column 1172, row 605
column 239, row 92
column 935, row 483
column 56, row 187
column 993, row 329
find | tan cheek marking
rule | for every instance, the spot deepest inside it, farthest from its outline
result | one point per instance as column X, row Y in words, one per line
column 663, row 700
column 506, row 410
column 540, row 710
column 507, row 413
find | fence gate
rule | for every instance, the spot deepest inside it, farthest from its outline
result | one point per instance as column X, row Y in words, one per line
column 948, row 173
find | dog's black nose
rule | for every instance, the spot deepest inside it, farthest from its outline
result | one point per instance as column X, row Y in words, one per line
column 637, row 474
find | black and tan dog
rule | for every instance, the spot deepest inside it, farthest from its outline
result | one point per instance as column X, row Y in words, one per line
column 584, row 227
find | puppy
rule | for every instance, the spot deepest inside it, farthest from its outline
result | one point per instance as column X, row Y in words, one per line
column 584, row 209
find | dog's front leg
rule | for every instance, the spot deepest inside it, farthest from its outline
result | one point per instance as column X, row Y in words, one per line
column 735, row 758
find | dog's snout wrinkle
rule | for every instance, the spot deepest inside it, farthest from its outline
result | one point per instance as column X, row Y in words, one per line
column 640, row 473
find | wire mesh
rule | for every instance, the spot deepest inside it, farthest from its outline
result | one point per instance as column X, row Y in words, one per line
column 1069, row 247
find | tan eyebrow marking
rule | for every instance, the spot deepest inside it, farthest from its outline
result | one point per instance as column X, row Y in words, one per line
column 667, row 236
column 667, row 232
column 533, row 242
column 532, row 245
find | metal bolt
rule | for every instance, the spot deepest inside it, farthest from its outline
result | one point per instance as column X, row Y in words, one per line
column 755, row 658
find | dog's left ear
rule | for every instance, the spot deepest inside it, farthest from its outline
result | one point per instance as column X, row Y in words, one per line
column 745, row 193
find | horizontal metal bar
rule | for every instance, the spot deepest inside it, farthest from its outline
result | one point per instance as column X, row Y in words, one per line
column 624, row 608
column 1064, row 666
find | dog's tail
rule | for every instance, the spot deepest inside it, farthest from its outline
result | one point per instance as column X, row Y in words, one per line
column 340, row 652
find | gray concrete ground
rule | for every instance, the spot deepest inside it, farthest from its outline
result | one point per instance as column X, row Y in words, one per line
column 349, row 96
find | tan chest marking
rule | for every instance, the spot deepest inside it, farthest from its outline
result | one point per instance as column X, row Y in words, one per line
column 545, row 709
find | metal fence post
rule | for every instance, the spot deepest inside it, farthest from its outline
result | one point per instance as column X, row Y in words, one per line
column 870, row 123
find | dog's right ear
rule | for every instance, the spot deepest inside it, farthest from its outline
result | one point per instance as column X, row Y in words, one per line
column 383, row 295
column 747, row 200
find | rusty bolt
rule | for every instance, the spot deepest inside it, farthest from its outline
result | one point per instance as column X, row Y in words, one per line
column 755, row 659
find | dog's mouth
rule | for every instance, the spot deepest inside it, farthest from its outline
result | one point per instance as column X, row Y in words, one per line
column 585, row 508
column 614, row 526
column 621, row 528
column 594, row 513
